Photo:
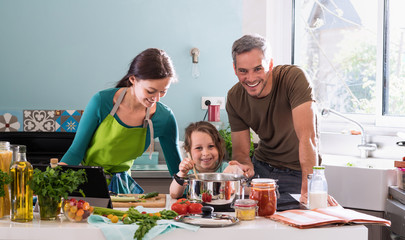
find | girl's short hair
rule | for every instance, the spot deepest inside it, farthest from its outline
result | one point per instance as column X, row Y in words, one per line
column 205, row 127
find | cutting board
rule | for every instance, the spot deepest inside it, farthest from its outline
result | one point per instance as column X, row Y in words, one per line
column 154, row 202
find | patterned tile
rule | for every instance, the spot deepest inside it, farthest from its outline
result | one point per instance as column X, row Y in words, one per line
column 68, row 120
column 11, row 120
column 39, row 121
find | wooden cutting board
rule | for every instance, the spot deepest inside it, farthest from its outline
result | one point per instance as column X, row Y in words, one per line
column 155, row 202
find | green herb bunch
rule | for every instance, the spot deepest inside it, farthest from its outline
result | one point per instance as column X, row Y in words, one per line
column 4, row 180
column 56, row 183
column 226, row 135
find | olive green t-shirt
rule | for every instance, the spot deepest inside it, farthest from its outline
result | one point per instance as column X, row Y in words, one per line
column 271, row 116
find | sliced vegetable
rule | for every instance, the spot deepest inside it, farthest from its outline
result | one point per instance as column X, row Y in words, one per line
column 149, row 195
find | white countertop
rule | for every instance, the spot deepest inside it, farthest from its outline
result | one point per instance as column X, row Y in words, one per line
column 258, row 229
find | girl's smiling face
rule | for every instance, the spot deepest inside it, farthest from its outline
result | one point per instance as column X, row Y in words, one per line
column 203, row 151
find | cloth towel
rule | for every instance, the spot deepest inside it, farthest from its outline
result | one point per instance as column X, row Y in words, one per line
column 115, row 231
column 123, row 183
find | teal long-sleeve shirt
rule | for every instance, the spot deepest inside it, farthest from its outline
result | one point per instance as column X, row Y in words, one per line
column 164, row 126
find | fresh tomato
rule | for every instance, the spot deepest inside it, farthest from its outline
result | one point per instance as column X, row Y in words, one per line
column 195, row 208
column 183, row 201
column 180, row 208
column 206, row 197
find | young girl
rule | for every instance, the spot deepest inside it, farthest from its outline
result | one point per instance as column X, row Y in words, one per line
column 207, row 149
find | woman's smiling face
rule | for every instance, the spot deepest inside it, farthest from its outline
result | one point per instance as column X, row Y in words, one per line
column 149, row 91
column 203, row 151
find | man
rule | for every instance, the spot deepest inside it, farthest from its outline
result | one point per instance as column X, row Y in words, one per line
column 278, row 104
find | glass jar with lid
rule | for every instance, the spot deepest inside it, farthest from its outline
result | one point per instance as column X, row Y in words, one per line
column 263, row 190
column 245, row 209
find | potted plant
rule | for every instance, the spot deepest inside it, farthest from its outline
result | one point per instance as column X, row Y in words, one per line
column 226, row 135
column 52, row 185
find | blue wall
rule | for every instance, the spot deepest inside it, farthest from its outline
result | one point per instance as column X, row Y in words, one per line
column 57, row 54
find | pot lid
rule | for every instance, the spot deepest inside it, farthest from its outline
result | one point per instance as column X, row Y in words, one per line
column 207, row 219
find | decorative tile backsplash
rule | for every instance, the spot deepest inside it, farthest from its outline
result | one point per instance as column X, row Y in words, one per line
column 40, row 120
column 11, row 121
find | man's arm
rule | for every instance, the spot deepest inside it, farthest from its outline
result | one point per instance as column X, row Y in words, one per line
column 304, row 120
column 241, row 150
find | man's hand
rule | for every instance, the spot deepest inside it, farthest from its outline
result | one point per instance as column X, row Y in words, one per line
column 247, row 169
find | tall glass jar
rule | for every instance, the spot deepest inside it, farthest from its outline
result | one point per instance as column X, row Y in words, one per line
column 318, row 189
column 5, row 160
column 21, row 194
column 263, row 190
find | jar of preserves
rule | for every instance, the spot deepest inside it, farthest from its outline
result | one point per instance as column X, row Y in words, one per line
column 263, row 190
column 245, row 209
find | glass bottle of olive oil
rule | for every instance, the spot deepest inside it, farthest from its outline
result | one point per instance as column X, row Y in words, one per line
column 21, row 172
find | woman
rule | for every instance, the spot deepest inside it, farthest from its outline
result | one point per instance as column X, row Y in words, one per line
column 120, row 123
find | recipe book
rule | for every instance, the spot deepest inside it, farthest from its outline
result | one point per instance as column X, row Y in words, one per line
column 325, row 216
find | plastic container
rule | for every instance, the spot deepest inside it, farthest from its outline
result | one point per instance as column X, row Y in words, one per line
column 245, row 209
column 401, row 178
column 263, row 190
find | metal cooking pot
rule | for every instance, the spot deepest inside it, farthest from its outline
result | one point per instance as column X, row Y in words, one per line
column 214, row 188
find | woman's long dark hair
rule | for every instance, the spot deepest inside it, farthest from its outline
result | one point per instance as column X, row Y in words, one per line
column 152, row 63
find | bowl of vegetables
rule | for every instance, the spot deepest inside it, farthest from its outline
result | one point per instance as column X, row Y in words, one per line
column 77, row 210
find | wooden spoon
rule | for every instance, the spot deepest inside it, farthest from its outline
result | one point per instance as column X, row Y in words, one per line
column 195, row 172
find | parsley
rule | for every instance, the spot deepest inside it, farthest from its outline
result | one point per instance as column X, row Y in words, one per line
column 4, row 180
column 56, row 183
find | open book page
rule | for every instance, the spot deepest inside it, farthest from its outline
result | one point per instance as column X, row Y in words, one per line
column 324, row 216
column 352, row 216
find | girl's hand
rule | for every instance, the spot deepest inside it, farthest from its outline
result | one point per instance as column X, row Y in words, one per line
column 185, row 166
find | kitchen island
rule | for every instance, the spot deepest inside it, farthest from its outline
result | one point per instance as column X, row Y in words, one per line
column 260, row 228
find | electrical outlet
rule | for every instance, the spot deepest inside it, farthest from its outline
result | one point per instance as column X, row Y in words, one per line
column 214, row 101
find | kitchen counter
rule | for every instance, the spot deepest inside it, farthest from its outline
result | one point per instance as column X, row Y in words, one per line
column 260, row 228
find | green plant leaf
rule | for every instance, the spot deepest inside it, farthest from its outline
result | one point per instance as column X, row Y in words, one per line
column 56, row 183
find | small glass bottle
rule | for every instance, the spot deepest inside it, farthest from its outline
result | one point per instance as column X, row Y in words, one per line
column 263, row 190
column 6, row 156
column 318, row 189
column 21, row 194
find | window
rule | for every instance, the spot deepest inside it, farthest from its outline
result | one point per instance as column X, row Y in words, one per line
column 354, row 52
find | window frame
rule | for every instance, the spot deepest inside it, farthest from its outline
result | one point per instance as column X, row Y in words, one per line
column 377, row 123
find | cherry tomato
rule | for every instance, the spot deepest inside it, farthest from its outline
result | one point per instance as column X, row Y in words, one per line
column 180, row 208
column 206, row 197
column 195, row 208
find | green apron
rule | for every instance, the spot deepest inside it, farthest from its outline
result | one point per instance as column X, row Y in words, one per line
column 115, row 147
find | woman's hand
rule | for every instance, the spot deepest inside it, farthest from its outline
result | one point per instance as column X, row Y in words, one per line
column 185, row 166
column 62, row 163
